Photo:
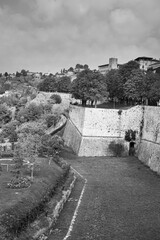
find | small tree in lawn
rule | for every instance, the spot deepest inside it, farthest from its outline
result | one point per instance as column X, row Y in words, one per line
column 9, row 131
column 29, row 147
column 18, row 160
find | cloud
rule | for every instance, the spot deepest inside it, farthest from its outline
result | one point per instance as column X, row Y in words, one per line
column 47, row 35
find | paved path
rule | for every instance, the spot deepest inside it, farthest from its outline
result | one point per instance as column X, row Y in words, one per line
column 121, row 202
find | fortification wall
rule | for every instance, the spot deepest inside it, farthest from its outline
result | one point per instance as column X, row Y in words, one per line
column 101, row 122
column 72, row 137
column 149, row 149
column 76, row 115
column 99, row 127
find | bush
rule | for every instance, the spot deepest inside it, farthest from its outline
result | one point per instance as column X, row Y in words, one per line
column 52, row 120
column 130, row 135
column 47, row 108
column 20, row 182
column 116, row 148
column 57, row 98
column 30, row 113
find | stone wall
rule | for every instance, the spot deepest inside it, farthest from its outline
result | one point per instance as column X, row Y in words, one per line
column 77, row 116
column 149, row 148
column 72, row 137
column 97, row 128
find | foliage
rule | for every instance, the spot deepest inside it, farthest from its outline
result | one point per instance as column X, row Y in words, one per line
column 52, row 120
column 56, row 98
column 119, row 112
column 9, row 131
column 47, row 108
column 134, row 87
column 51, row 145
column 34, row 127
column 89, row 85
column 5, row 114
column 28, row 147
column 114, row 84
column 31, row 113
column 23, row 72
column 130, row 135
column 20, row 182
column 126, row 69
column 11, row 100
column 154, row 92
column 49, row 84
column 63, row 84
column 116, row 148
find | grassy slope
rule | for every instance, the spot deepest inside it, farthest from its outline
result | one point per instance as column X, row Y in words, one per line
column 8, row 197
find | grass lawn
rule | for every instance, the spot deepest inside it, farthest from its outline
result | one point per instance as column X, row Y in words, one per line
column 46, row 173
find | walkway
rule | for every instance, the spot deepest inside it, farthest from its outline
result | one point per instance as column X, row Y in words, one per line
column 121, row 201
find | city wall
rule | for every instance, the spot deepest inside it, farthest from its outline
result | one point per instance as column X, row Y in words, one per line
column 149, row 148
column 89, row 132
column 96, row 128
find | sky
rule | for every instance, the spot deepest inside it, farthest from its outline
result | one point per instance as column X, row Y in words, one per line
column 49, row 35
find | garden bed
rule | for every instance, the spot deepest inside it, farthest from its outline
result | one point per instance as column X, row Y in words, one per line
column 19, row 207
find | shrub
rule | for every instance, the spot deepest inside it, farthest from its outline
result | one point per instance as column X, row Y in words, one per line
column 30, row 113
column 19, row 182
column 57, row 98
column 116, row 148
column 130, row 135
column 52, row 120
column 47, row 108
column 5, row 114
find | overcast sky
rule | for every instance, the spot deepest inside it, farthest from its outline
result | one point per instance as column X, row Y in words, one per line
column 48, row 35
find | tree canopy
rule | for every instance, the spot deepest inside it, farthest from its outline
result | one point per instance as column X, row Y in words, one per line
column 89, row 85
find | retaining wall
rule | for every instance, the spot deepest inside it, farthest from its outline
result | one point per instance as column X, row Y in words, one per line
column 149, row 148
column 90, row 130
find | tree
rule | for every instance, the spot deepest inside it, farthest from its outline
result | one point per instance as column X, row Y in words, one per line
column 79, row 66
column 9, row 131
column 5, row 114
column 89, row 85
column 150, row 86
column 56, row 98
column 18, row 74
column 114, row 84
column 64, row 84
column 23, row 72
column 126, row 69
column 154, row 92
column 52, row 119
column 51, row 146
column 49, row 84
column 6, row 74
column 134, row 87
column 28, row 146
column 71, row 69
column 31, row 113
column 86, row 66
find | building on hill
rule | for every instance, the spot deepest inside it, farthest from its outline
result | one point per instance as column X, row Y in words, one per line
column 145, row 62
column 155, row 67
column 113, row 64
column 71, row 74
